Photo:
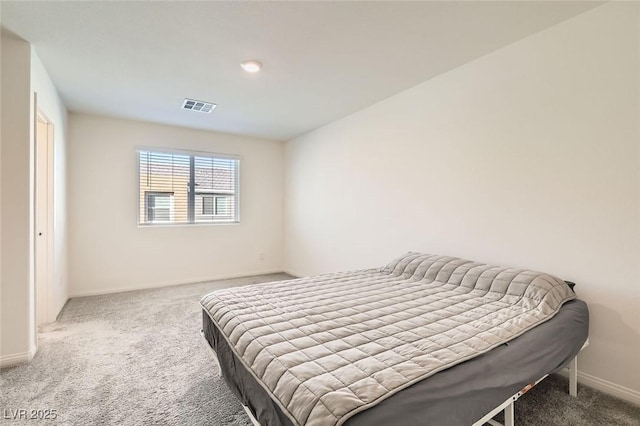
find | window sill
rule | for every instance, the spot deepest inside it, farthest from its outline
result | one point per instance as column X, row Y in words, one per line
column 180, row 225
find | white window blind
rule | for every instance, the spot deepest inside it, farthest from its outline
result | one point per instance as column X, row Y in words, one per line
column 177, row 187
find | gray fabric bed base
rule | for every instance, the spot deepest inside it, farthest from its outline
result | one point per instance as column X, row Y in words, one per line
column 459, row 395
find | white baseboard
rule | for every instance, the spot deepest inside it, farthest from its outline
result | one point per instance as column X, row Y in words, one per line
column 14, row 359
column 98, row 292
column 627, row 394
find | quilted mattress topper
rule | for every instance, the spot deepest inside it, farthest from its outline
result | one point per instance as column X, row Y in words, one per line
column 327, row 347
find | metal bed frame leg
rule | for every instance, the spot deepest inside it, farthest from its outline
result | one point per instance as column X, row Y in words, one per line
column 573, row 377
column 573, row 372
column 509, row 417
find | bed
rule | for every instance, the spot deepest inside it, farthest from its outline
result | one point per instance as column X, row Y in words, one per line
column 424, row 340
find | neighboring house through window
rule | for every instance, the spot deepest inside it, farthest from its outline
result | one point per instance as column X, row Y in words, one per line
column 182, row 187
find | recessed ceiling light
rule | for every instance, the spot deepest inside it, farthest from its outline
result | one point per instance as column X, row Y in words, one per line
column 251, row 66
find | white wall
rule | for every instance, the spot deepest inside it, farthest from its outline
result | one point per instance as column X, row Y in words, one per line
column 49, row 102
column 17, row 316
column 527, row 157
column 109, row 252
column 22, row 76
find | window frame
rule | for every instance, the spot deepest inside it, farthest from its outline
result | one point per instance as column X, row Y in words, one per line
column 192, row 154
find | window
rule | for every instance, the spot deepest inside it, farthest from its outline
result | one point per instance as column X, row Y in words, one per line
column 222, row 206
column 213, row 207
column 181, row 187
column 207, row 205
column 159, row 207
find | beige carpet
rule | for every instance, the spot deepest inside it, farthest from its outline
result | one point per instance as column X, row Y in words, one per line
column 137, row 358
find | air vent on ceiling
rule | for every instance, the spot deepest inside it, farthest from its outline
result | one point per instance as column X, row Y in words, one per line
column 200, row 106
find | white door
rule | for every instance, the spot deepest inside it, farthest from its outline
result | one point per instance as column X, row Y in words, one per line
column 43, row 218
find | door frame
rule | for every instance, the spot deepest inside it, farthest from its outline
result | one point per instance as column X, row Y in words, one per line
column 44, row 281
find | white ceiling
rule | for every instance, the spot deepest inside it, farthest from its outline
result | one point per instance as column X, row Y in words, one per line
column 322, row 60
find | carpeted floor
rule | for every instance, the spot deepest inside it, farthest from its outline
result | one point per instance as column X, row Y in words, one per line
column 138, row 358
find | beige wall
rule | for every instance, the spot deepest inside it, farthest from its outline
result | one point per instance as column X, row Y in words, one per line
column 50, row 103
column 17, row 325
column 528, row 156
column 110, row 252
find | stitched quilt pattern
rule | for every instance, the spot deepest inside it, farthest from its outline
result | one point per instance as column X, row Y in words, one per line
column 329, row 346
